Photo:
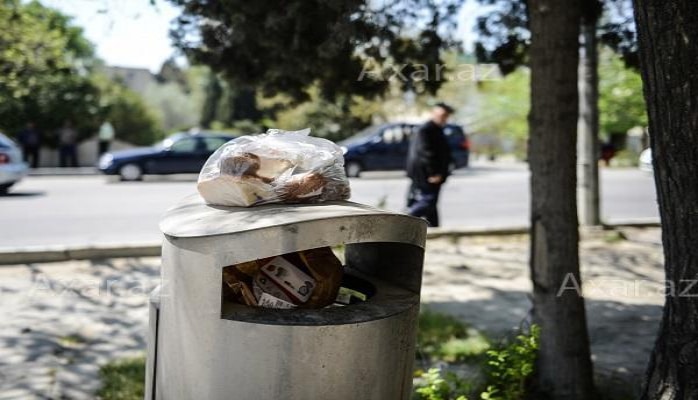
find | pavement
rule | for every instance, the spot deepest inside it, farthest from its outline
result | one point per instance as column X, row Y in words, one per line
column 61, row 321
column 55, row 171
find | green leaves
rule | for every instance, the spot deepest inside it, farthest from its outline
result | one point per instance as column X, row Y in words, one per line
column 40, row 60
column 313, row 43
column 509, row 366
column 46, row 76
column 438, row 387
column 621, row 102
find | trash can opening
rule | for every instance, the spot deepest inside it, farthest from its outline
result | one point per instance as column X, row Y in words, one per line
column 309, row 287
column 304, row 279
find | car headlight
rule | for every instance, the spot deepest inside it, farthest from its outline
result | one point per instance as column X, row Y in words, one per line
column 105, row 161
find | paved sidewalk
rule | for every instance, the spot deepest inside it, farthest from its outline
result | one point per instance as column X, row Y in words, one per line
column 57, row 171
column 61, row 321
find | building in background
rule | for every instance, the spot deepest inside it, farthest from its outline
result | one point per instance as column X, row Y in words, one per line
column 136, row 79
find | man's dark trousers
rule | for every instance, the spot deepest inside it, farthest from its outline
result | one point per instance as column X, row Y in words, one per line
column 421, row 202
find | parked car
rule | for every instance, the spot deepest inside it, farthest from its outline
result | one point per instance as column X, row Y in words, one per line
column 646, row 160
column 180, row 153
column 384, row 147
column 12, row 167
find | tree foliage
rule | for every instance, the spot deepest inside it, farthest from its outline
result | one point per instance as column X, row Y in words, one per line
column 505, row 103
column 621, row 103
column 133, row 121
column 44, row 62
column 48, row 76
column 505, row 106
column 504, row 36
column 334, row 120
column 289, row 48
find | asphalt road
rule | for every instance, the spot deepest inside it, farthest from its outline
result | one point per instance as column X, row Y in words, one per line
column 93, row 210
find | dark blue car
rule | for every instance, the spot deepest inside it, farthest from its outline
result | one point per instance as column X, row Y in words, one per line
column 180, row 153
column 384, row 148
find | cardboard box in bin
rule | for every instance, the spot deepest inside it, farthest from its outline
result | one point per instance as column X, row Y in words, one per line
column 305, row 279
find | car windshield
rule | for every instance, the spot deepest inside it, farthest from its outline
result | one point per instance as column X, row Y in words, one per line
column 169, row 141
column 361, row 136
column 6, row 141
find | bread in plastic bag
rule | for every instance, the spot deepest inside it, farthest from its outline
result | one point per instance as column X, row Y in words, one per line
column 275, row 167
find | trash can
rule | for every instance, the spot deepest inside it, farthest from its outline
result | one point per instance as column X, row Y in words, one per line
column 202, row 347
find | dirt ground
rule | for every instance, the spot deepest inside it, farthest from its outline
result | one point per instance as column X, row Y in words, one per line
column 485, row 282
column 61, row 321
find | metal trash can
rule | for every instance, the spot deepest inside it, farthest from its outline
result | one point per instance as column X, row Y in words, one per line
column 201, row 347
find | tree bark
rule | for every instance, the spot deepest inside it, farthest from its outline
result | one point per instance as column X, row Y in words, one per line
column 668, row 38
column 588, row 140
column 564, row 368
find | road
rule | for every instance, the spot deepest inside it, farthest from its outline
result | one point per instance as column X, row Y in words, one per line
column 89, row 210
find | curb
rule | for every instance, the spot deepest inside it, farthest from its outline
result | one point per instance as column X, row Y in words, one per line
column 65, row 253
column 437, row 233
column 58, row 253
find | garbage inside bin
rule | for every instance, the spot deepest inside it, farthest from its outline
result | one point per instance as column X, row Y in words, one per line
column 305, row 279
column 276, row 167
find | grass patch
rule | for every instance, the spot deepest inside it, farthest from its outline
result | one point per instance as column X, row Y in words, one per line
column 442, row 337
column 614, row 237
column 123, row 379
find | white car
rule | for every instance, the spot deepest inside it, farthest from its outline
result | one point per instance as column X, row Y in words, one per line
column 12, row 167
column 646, row 160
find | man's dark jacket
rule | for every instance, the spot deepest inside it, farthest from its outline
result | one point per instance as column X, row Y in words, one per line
column 429, row 154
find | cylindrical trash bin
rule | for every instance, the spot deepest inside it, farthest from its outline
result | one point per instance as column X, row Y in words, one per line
column 203, row 347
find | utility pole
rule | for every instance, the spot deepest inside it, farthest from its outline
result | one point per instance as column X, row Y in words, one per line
column 588, row 190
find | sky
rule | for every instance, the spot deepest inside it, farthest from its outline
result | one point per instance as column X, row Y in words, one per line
column 127, row 33
column 134, row 33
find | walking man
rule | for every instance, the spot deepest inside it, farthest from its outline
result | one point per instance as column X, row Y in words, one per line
column 428, row 161
column 30, row 140
column 105, row 136
column 67, row 145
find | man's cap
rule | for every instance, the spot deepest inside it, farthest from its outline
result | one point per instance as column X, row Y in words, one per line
column 445, row 106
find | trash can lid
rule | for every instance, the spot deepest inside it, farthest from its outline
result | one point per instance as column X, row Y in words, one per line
column 192, row 218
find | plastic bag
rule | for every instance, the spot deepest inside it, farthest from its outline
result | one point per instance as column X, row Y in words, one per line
column 276, row 167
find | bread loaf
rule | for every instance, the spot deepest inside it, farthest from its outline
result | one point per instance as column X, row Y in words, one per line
column 228, row 190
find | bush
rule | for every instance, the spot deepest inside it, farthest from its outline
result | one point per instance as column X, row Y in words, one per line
column 507, row 369
column 438, row 387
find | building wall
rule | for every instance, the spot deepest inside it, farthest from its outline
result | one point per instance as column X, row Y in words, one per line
column 136, row 79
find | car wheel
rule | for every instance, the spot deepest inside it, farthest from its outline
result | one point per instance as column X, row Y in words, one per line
column 131, row 172
column 353, row 169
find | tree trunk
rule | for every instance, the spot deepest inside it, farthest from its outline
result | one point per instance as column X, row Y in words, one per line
column 668, row 35
column 213, row 94
column 564, row 368
column 588, row 140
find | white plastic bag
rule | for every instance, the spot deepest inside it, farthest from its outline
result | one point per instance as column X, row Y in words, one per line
column 276, row 167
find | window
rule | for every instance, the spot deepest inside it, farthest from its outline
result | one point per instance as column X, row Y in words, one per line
column 184, row 146
column 408, row 130
column 393, row 134
column 212, row 144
